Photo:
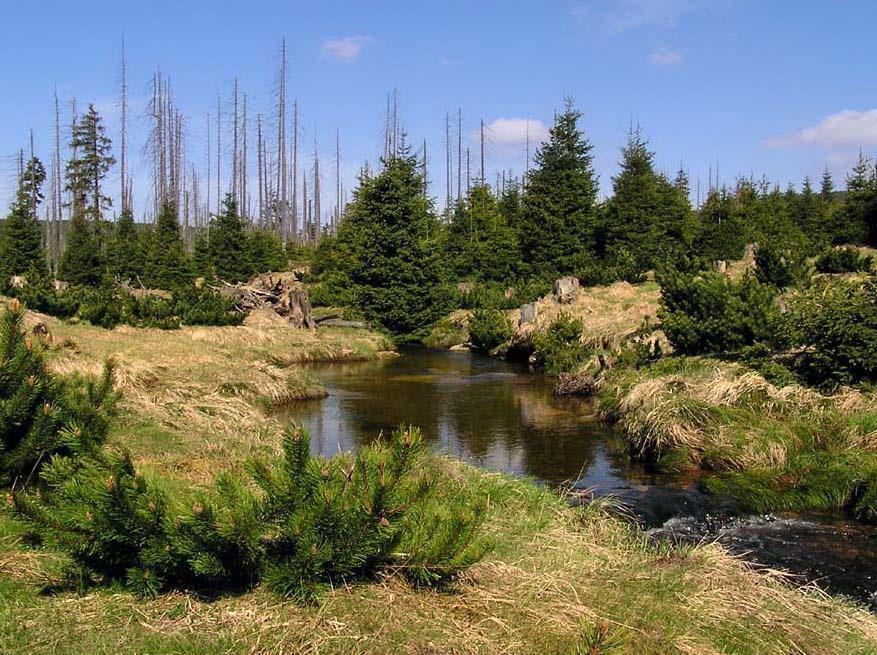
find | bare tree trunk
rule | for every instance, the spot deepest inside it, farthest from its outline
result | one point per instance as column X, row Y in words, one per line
column 337, row 215
column 218, row 154
column 260, row 164
column 448, row 167
column 318, row 217
column 124, row 144
column 293, row 228
column 209, row 163
column 460, row 155
column 282, row 200
column 234, row 142
column 245, row 200
column 483, row 177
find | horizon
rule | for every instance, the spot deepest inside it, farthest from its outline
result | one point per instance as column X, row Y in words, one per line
column 675, row 67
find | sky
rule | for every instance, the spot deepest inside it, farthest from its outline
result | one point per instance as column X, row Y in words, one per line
column 745, row 87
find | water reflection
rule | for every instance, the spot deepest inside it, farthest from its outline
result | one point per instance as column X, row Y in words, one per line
column 480, row 410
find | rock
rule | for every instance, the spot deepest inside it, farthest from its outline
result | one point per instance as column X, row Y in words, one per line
column 17, row 281
column 565, row 289
column 529, row 312
column 340, row 322
column 722, row 266
column 459, row 348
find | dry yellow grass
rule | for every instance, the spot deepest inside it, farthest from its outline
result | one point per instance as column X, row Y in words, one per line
column 609, row 314
column 197, row 397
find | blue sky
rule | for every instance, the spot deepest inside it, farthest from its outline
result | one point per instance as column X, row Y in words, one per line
column 762, row 87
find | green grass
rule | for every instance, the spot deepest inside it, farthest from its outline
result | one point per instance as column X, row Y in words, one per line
column 769, row 449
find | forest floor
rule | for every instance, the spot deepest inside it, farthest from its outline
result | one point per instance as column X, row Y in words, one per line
column 559, row 580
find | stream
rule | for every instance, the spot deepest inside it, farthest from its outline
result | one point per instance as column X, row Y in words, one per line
column 500, row 416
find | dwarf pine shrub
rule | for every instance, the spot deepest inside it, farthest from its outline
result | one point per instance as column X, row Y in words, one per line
column 41, row 415
column 489, row 328
column 845, row 259
column 559, row 349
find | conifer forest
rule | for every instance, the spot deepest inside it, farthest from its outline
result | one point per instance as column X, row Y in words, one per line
column 255, row 398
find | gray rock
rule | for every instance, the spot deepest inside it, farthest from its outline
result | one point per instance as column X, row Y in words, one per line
column 565, row 289
column 528, row 314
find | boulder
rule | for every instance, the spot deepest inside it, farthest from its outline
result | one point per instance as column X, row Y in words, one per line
column 722, row 266
column 565, row 289
column 529, row 312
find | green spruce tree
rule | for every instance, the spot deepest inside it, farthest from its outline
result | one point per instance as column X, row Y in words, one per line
column 479, row 243
column 21, row 249
column 387, row 249
column 229, row 247
column 125, row 256
column 167, row 264
column 81, row 262
column 646, row 216
column 559, row 215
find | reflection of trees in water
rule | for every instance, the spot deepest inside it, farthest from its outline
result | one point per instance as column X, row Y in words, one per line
column 474, row 408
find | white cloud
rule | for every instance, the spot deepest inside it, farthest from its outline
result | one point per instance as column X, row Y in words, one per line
column 511, row 131
column 345, row 49
column 666, row 57
column 619, row 16
column 848, row 128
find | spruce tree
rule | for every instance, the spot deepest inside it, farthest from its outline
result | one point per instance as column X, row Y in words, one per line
column 857, row 218
column 21, row 249
column 167, row 264
column 125, row 250
column 81, row 262
column 559, row 215
column 479, row 244
column 229, row 251
column 646, row 215
column 721, row 233
column 86, row 171
column 387, row 249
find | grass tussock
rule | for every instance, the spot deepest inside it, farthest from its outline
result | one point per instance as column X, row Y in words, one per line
column 775, row 448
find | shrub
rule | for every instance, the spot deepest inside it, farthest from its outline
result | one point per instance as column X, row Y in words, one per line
column 708, row 313
column 780, row 268
column 560, row 349
column 843, row 260
column 620, row 266
column 834, row 329
column 40, row 415
column 489, row 328
column 304, row 523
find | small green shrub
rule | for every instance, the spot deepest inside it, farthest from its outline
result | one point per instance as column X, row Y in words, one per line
column 834, row 330
column 560, row 349
column 41, row 415
column 780, row 268
column 304, row 523
column 845, row 259
column 489, row 328
column 708, row 313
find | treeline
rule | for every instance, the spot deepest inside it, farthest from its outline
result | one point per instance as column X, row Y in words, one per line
column 393, row 256
column 401, row 263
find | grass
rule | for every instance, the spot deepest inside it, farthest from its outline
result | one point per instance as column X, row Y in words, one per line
column 196, row 398
column 786, row 448
column 560, row 580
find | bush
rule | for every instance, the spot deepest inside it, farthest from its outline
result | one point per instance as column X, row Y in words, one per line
column 621, row 266
column 710, row 314
column 40, row 415
column 304, row 523
column 108, row 306
column 843, row 260
column 780, row 268
column 489, row 328
column 560, row 349
column 834, row 330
